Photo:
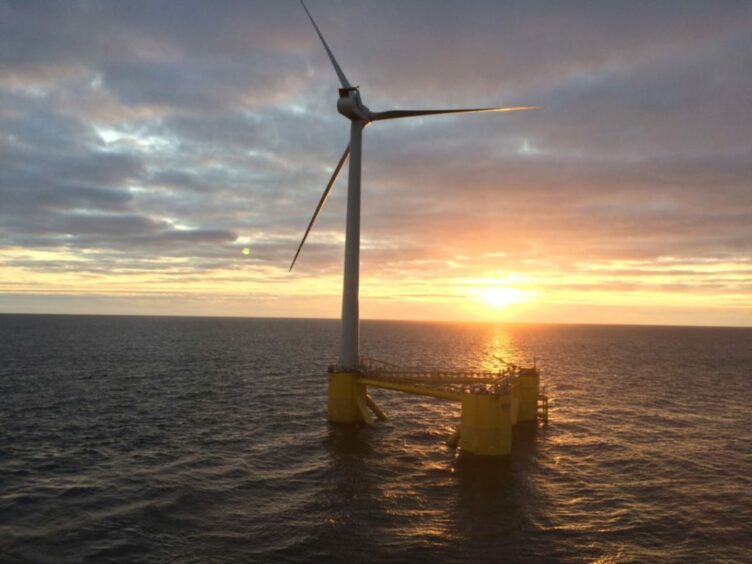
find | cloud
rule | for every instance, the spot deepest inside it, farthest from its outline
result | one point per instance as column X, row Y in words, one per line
column 200, row 128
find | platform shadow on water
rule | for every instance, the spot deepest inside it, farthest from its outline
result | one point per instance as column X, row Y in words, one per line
column 480, row 505
column 493, row 493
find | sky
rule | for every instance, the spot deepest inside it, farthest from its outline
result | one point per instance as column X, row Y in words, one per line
column 164, row 158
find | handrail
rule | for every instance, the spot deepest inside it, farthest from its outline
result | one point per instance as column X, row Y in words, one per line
column 439, row 383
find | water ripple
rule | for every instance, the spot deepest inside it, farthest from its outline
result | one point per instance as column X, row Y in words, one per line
column 193, row 440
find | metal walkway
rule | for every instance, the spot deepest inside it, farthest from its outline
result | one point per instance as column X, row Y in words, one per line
column 444, row 384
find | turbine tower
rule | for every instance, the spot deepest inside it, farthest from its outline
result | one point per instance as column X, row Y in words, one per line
column 351, row 106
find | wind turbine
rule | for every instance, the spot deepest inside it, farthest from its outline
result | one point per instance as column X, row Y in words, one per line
column 351, row 106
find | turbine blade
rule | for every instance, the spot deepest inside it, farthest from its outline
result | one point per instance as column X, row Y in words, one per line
column 395, row 114
column 340, row 74
column 324, row 196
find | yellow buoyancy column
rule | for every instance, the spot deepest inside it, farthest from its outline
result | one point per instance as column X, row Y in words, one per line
column 486, row 424
column 345, row 393
column 525, row 395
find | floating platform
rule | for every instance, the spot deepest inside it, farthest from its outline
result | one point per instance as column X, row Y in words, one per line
column 492, row 402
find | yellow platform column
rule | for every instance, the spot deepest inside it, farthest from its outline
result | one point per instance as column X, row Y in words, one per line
column 525, row 395
column 345, row 393
column 486, row 424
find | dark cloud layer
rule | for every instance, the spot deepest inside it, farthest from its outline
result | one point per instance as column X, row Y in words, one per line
column 200, row 128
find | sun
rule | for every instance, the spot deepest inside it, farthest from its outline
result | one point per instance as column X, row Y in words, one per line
column 500, row 296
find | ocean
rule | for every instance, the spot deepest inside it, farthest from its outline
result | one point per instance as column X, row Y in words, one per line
column 158, row 439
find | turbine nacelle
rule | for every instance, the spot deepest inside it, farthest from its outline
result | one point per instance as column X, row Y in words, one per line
column 351, row 106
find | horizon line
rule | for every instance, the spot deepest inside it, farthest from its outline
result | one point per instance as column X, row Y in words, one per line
column 337, row 319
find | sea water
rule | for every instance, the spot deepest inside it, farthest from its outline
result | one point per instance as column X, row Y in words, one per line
column 205, row 440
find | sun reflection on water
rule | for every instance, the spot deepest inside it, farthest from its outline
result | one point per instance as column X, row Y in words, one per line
column 498, row 351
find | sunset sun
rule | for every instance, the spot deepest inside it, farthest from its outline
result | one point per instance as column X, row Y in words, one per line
column 499, row 296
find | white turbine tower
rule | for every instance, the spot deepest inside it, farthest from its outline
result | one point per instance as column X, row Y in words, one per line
column 350, row 105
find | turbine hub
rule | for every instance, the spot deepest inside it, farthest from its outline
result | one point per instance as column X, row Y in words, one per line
column 351, row 106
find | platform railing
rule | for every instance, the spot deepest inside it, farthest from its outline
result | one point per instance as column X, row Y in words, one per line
column 474, row 381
